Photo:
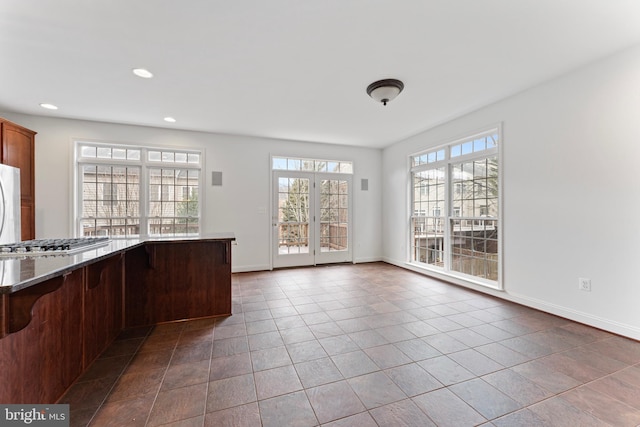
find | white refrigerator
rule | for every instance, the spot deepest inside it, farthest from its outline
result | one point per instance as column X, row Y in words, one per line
column 9, row 204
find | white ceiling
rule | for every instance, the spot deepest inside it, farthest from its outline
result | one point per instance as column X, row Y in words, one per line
column 295, row 69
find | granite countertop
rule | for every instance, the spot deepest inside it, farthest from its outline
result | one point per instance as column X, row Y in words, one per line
column 20, row 272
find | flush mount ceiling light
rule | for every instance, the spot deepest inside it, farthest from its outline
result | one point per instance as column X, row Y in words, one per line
column 385, row 90
column 141, row 72
column 169, row 119
column 49, row 106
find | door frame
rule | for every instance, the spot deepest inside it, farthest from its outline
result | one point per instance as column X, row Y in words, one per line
column 315, row 256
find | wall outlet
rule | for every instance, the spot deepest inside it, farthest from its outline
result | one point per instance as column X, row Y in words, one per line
column 584, row 284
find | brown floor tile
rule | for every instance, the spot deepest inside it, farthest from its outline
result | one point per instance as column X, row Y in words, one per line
column 396, row 333
column 130, row 333
column 195, row 337
column 270, row 358
column 132, row 413
column 318, row 372
column 503, row 355
column 354, row 364
column 148, row 361
column 522, row 418
column 277, row 381
column 80, row 417
column 296, row 335
column 560, row 413
column 253, row 316
column 338, row 344
column 492, row 332
column 178, row 404
column 105, row 367
column 186, row 374
column 334, row 401
column 230, row 392
column 391, row 332
column 368, row 338
column 517, row 387
column 603, row 406
column 402, row 413
column 420, row 329
column 446, row 370
column 387, row 356
column 288, row 410
column 412, row 379
column 261, row 326
column 190, row 422
column 123, row 347
column 159, row 342
column 229, row 331
column 230, row 366
column 230, row 346
column 208, row 323
column 362, row 419
column 485, row 399
column 560, row 362
column 265, row 340
column 447, row 410
column 445, row 343
column 615, row 387
column 376, row 389
column 526, row 347
column 305, row 351
column 289, row 322
column 88, row 394
column 239, row 416
column 476, row 362
column 137, row 384
column 191, row 353
column 619, row 348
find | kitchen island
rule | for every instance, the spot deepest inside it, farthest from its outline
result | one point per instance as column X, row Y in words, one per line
column 58, row 313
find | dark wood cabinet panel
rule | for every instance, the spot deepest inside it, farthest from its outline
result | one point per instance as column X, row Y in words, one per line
column 102, row 306
column 40, row 361
column 52, row 331
column 18, row 150
column 178, row 280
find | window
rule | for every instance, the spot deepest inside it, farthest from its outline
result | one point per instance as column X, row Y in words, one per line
column 458, row 186
column 131, row 191
column 311, row 165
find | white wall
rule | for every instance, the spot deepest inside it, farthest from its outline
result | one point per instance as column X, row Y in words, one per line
column 235, row 206
column 571, row 205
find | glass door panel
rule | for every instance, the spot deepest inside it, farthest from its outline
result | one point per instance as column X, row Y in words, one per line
column 293, row 233
column 334, row 213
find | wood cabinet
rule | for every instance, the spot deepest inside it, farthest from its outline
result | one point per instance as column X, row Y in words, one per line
column 52, row 331
column 102, row 306
column 17, row 150
column 169, row 281
column 40, row 360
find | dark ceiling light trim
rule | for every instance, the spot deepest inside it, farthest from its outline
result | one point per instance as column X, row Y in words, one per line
column 385, row 90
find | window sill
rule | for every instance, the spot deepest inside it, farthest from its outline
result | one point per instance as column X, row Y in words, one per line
column 466, row 281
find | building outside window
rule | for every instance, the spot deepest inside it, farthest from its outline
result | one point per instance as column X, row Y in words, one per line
column 459, row 188
column 127, row 191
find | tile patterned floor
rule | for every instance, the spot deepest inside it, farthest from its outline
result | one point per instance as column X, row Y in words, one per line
column 362, row 345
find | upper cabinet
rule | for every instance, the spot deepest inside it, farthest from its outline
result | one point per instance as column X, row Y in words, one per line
column 17, row 150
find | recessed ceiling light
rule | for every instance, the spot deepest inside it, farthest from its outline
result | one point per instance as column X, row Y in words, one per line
column 169, row 119
column 141, row 72
column 49, row 106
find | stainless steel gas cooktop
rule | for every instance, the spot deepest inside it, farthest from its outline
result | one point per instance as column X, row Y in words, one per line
column 52, row 246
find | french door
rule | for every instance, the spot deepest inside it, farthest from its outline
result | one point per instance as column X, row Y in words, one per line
column 311, row 218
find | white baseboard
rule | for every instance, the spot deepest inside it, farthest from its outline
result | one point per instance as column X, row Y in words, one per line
column 369, row 259
column 249, row 268
column 608, row 325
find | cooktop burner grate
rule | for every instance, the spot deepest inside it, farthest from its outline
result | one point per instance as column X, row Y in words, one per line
column 52, row 246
